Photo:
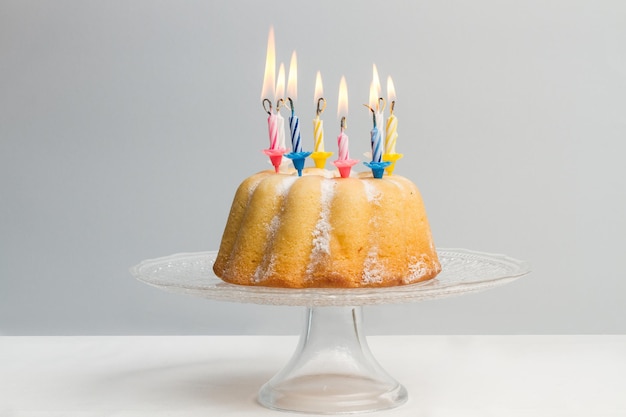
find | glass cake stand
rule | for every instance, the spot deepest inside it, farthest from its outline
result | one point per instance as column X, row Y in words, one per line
column 332, row 370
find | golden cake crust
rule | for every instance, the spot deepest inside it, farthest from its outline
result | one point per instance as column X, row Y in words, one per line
column 319, row 230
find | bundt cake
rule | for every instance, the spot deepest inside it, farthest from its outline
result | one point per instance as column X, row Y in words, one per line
column 319, row 230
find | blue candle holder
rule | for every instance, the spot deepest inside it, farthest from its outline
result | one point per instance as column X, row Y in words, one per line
column 378, row 168
column 298, row 160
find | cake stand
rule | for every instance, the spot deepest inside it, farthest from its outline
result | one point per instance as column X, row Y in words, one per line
column 332, row 370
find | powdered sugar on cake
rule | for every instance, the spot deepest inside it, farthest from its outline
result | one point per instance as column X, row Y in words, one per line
column 282, row 187
column 372, row 193
column 372, row 268
column 418, row 269
column 266, row 267
column 321, row 232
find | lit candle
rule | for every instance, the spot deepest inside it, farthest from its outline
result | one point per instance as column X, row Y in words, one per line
column 280, row 94
column 318, row 124
column 272, row 125
column 392, row 121
column 342, row 112
column 380, row 118
column 268, row 95
column 390, row 155
column 344, row 164
column 268, row 92
column 319, row 156
column 377, row 141
column 292, row 93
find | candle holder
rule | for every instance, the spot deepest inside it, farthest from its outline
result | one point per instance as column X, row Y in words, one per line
column 298, row 160
column 332, row 371
column 378, row 168
column 276, row 157
column 345, row 166
column 320, row 158
column 392, row 158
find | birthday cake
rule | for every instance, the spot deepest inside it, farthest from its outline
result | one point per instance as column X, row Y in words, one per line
column 321, row 230
column 311, row 227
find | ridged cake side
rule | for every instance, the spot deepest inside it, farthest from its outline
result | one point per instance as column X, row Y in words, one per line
column 316, row 231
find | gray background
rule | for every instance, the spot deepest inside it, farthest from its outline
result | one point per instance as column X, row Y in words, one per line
column 125, row 127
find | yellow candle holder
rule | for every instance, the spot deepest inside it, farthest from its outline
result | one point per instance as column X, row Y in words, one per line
column 391, row 157
column 320, row 158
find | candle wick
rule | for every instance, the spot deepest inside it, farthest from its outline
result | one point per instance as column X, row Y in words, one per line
column 293, row 109
column 279, row 103
column 343, row 124
column 393, row 106
column 381, row 109
column 374, row 118
column 321, row 106
column 266, row 100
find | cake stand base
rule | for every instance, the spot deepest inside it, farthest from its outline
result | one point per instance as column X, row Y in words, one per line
column 332, row 370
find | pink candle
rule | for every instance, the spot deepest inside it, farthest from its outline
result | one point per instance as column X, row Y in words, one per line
column 342, row 139
column 268, row 95
column 342, row 112
column 343, row 163
column 272, row 125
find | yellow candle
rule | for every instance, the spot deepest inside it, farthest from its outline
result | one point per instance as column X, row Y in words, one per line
column 318, row 124
column 392, row 122
column 319, row 155
column 318, row 134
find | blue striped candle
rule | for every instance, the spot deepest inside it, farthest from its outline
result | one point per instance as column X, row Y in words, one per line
column 294, row 126
column 377, row 145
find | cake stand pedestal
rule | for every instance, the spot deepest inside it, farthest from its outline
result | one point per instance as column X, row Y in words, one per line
column 332, row 370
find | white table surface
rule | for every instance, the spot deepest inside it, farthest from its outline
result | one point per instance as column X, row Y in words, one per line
column 220, row 375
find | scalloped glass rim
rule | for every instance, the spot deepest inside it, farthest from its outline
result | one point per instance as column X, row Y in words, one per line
column 463, row 271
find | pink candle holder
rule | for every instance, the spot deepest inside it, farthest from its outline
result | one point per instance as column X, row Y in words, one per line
column 345, row 166
column 276, row 157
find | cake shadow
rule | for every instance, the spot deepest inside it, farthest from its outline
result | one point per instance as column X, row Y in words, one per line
column 201, row 384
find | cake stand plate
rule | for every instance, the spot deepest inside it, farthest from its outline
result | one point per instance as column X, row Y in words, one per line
column 463, row 271
column 332, row 370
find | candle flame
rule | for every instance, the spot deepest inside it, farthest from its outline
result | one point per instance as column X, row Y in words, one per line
column 270, row 68
column 280, row 82
column 342, row 106
column 391, row 90
column 377, row 88
column 292, row 81
column 319, row 89
column 373, row 101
